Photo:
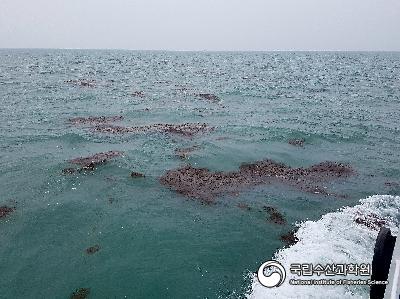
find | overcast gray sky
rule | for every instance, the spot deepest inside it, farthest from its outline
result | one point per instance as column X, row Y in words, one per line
column 201, row 24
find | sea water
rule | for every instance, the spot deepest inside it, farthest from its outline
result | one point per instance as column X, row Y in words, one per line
column 155, row 243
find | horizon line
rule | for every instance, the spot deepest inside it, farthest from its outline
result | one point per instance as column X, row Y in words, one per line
column 204, row 50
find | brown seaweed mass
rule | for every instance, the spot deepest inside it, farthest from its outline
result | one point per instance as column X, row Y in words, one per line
column 205, row 185
column 296, row 142
column 186, row 130
column 97, row 159
column 139, row 94
column 5, row 211
column 183, row 153
column 209, row 97
column 289, row 238
column 92, row 249
column 82, row 293
column 95, row 119
column 371, row 221
column 275, row 216
column 135, row 174
column 82, row 82
column 69, row 170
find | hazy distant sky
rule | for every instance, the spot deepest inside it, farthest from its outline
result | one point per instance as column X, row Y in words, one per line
column 201, row 24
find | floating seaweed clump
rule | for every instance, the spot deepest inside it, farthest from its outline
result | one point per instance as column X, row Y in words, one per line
column 183, row 153
column 209, row 97
column 274, row 215
column 186, row 130
column 392, row 184
column 5, row 211
column 95, row 119
column 92, row 249
column 81, row 293
column 205, row 185
column 82, row 82
column 331, row 169
column 69, row 170
column 139, row 94
column 297, row 142
column 114, row 129
column 88, row 163
column 135, row 174
column 200, row 183
column 289, row 238
column 371, row 221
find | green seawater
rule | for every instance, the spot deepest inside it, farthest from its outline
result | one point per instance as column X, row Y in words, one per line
column 155, row 243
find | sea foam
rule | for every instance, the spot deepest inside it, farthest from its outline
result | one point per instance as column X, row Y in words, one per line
column 335, row 238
